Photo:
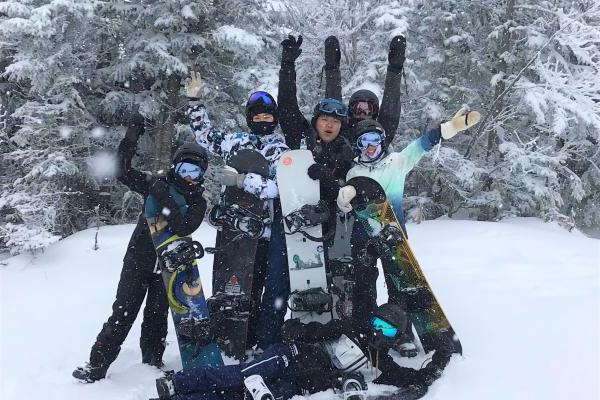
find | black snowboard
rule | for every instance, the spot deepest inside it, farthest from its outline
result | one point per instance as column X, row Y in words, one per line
column 241, row 216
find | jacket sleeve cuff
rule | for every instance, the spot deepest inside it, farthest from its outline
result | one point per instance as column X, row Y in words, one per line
column 431, row 138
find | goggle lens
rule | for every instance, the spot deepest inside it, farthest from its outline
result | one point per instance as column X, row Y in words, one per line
column 332, row 106
column 386, row 329
column 369, row 139
column 186, row 169
column 362, row 109
column 263, row 96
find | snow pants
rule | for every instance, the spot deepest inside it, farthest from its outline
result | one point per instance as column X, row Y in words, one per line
column 137, row 280
column 227, row 382
column 271, row 273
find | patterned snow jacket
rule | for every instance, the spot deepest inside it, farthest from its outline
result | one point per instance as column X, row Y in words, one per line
column 390, row 171
column 225, row 144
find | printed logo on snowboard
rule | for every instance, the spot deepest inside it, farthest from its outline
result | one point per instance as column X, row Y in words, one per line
column 192, row 289
column 301, row 264
column 287, row 160
column 233, row 285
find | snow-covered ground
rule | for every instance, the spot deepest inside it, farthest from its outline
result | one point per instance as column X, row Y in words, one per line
column 522, row 295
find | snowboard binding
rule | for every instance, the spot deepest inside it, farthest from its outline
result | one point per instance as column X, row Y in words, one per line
column 196, row 330
column 342, row 278
column 238, row 219
column 182, row 256
column 352, row 385
column 229, row 304
column 306, row 217
column 311, row 300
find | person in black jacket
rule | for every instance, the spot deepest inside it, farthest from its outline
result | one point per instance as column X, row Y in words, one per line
column 314, row 357
column 138, row 277
column 323, row 135
column 364, row 104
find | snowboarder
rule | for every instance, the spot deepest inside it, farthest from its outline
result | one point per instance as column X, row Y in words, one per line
column 138, row 277
column 270, row 267
column 331, row 149
column 313, row 358
column 389, row 169
column 363, row 103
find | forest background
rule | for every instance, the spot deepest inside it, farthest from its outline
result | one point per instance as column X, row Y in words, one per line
column 72, row 72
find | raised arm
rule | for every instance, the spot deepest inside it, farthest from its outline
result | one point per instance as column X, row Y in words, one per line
column 389, row 113
column 293, row 124
column 412, row 153
column 135, row 180
column 333, row 77
column 206, row 134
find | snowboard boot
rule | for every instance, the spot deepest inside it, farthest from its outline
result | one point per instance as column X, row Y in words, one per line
column 165, row 386
column 89, row 373
column 406, row 347
column 257, row 388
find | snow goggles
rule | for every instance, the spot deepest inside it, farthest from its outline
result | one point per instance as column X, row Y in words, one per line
column 364, row 109
column 186, row 169
column 262, row 96
column 333, row 106
column 386, row 329
column 373, row 138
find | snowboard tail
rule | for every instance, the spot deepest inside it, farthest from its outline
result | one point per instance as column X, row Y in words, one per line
column 430, row 321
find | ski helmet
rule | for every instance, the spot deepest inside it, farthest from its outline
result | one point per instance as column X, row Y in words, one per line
column 363, row 104
column 389, row 321
column 186, row 156
column 331, row 107
column 370, row 132
column 258, row 103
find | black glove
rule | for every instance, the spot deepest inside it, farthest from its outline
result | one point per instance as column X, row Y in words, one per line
column 316, row 171
column 325, row 175
column 396, row 54
column 290, row 49
column 332, row 53
column 159, row 189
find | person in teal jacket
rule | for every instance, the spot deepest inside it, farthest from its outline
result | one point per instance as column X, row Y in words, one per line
column 389, row 169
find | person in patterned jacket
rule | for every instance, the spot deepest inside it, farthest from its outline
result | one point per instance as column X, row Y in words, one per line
column 270, row 267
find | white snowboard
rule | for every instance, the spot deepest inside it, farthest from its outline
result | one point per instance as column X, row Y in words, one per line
column 305, row 257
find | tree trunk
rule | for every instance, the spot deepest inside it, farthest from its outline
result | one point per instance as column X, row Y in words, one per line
column 165, row 131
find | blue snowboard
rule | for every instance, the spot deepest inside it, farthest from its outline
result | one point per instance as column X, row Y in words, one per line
column 183, row 286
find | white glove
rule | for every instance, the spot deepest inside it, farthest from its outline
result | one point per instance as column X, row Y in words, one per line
column 345, row 196
column 462, row 120
column 230, row 177
column 193, row 85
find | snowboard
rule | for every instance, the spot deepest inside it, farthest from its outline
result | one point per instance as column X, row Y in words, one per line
column 341, row 267
column 303, row 214
column 377, row 216
column 177, row 259
column 241, row 220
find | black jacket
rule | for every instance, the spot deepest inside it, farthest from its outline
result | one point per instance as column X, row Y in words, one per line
column 391, row 373
column 389, row 110
column 146, row 184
